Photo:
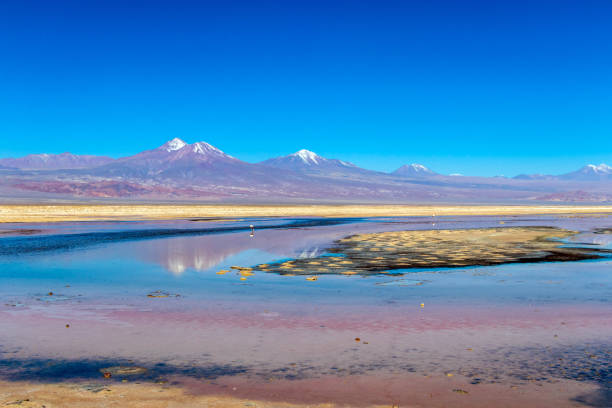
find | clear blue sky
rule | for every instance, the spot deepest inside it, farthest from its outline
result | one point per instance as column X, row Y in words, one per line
column 475, row 87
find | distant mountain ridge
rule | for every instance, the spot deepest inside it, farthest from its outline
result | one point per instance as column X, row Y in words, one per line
column 44, row 161
column 303, row 160
column 590, row 172
column 198, row 163
column 201, row 171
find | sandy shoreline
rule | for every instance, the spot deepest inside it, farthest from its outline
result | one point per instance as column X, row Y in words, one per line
column 411, row 391
column 30, row 395
column 56, row 213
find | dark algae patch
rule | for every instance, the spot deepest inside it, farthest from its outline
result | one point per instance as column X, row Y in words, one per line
column 382, row 252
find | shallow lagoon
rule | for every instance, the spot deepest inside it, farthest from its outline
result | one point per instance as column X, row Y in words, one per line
column 451, row 331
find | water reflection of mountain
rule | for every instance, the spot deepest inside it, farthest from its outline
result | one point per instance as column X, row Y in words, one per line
column 206, row 252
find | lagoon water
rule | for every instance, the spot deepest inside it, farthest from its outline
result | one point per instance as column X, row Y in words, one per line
column 75, row 300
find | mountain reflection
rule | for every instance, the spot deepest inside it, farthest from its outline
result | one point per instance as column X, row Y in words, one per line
column 207, row 252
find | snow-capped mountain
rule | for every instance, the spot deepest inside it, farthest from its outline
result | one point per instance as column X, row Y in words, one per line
column 414, row 170
column 201, row 152
column 177, row 148
column 306, row 160
column 309, row 163
column 172, row 145
column 590, row 172
column 46, row 161
column 601, row 169
column 178, row 163
column 173, row 156
column 307, row 157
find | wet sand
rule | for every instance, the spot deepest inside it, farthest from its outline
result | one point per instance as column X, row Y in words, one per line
column 503, row 356
column 54, row 213
column 98, row 395
column 410, row 391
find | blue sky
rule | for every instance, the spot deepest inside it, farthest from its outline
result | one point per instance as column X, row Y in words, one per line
column 474, row 87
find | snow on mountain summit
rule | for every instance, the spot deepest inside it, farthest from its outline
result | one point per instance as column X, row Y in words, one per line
column 414, row 170
column 601, row 169
column 307, row 156
column 590, row 172
column 207, row 149
column 419, row 167
column 181, row 148
column 308, row 161
column 172, row 145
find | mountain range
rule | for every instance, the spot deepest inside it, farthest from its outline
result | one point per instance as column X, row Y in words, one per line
column 590, row 172
column 46, row 161
column 201, row 172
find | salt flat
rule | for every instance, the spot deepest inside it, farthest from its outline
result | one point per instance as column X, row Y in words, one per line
column 72, row 212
